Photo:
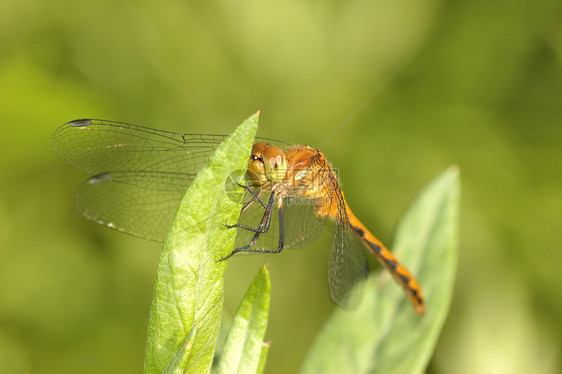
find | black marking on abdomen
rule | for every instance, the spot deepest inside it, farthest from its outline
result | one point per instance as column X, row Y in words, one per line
column 374, row 246
column 393, row 265
column 415, row 294
column 404, row 278
column 359, row 231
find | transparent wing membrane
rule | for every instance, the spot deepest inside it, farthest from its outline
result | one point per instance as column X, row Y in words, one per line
column 348, row 265
column 141, row 173
column 302, row 225
column 132, row 202
column 98, row 146
column 347, row 268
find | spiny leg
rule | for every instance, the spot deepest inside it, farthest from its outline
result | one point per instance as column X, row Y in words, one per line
column 248, row 205
column 281, row 226
column 267, row 218
column 262, row 228
column 254, row 197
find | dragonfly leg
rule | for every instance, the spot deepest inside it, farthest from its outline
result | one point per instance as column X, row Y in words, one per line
column 259, row 230
column 281, row 226
column 263, row 228
column 255, row 197
column 247, row 206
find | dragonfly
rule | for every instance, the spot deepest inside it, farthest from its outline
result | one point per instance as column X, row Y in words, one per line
column 140, row 175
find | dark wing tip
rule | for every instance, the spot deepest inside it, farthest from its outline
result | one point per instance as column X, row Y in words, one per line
column 80, row 123
column 102, row 177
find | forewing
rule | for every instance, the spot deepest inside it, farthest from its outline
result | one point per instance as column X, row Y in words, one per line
column 99, row 146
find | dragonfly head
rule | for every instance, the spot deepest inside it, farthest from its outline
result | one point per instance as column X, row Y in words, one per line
column 267, row 164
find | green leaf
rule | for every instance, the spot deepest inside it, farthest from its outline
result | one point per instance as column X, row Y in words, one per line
column 245, row 351
column 263, row 357
column 384, row 335
column 189, row 280
column 180, row 360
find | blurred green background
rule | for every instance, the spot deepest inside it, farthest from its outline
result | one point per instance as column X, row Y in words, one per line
column 392, row 91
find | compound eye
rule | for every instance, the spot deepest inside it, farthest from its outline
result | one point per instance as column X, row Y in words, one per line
column 275, row 163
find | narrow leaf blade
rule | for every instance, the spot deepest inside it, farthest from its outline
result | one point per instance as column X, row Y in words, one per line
column 244, row 351
column 384, row 335
column 263, row 357
column 189, row 279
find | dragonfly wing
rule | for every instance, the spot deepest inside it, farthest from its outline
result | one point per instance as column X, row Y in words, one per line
column 142, row 204
column 348, row 265
column 302, row 225
column 347, row 268
column 140, row 173
column 98, row 146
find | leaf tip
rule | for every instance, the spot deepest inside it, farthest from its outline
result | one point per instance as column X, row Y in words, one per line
column 255, row 117
column 454, row 170
column 264, row 275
